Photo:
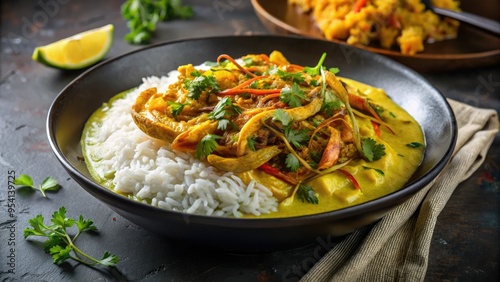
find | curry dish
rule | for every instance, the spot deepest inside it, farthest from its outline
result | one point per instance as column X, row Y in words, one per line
column 402, row 24
column 317, row 141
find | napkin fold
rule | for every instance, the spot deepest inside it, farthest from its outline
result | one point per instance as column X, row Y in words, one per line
column 397, row 247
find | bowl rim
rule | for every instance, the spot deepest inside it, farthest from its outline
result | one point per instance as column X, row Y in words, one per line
column 113, row 199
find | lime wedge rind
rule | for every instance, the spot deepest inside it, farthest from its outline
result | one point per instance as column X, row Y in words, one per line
column 40, row 54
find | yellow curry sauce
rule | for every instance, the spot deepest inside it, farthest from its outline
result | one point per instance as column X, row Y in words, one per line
column 375, row 179
column 317, row 141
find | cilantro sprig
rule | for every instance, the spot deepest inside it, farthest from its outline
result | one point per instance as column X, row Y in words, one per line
column 293, row 96
column 143, row 15
column 207, row 145
column 316, row 70
column 223, row 111
column 48, row 184
column 60, row 244
column 176, row 108
column 283, row 117
column 372, row 151
column 307, row 194
column 294, row 136
column 293, row 76
column 201, row 83
column 292, row 163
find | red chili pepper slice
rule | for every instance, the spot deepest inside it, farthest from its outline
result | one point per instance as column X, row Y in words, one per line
column 351, row 178
column 267, row 168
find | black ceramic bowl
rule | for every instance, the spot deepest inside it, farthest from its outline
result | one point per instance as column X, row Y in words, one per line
column 85, row 94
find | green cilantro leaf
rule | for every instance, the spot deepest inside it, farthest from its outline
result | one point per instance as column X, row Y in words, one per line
column 143, row 15
column 334, row 70
column 223, row 123
column 251, row 143
column 207, row 145
column 200, row 84
column 371, row 150
column 224, row 108
column 314, row 71
column 109, row 259
column 293, row 76
column 48, row 184
column 379, row 171
column 282, row 116
column 296, row 137
column 176, row 108
column 292, row 163
column 36, row 228
column 59, row 218
column 60, row 254
column 210, row 63
column 415, row 145
column 85, row 224
column 24, row 180
column 60, row 244
column 293, row 96
column 195, row 73
column 53, row 240
column 223, row 111
column 307, row 194
column 331, row 106
column 248, row 62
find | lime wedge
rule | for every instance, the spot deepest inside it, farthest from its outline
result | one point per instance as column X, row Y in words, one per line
column 78, row 51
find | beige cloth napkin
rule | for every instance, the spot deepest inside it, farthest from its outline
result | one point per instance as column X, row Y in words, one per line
column 397, row 247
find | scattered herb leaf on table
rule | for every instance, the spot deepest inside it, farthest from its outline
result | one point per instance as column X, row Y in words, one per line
column 143, row 15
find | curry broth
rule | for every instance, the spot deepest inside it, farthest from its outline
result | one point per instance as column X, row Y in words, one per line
column 358, row 181
column 376, row 179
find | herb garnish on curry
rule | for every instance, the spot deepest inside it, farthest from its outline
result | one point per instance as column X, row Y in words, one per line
column 317, row 141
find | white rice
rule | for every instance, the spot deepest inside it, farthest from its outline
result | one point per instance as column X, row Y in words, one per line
column 150, row 170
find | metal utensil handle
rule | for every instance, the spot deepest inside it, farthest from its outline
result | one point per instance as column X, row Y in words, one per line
column 482, row 22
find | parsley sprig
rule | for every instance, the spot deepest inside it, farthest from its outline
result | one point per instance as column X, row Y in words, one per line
column 49, row 184
column 60, row 244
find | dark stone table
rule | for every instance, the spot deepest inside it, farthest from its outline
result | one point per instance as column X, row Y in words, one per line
column 465, row 245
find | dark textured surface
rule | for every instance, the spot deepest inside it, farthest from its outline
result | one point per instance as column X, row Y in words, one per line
column 465, row 245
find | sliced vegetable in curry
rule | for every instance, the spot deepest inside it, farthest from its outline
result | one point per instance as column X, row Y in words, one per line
column 301, row 131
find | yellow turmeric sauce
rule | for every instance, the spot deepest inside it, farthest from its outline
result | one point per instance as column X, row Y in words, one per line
column 376, row 179
column 337, row 143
